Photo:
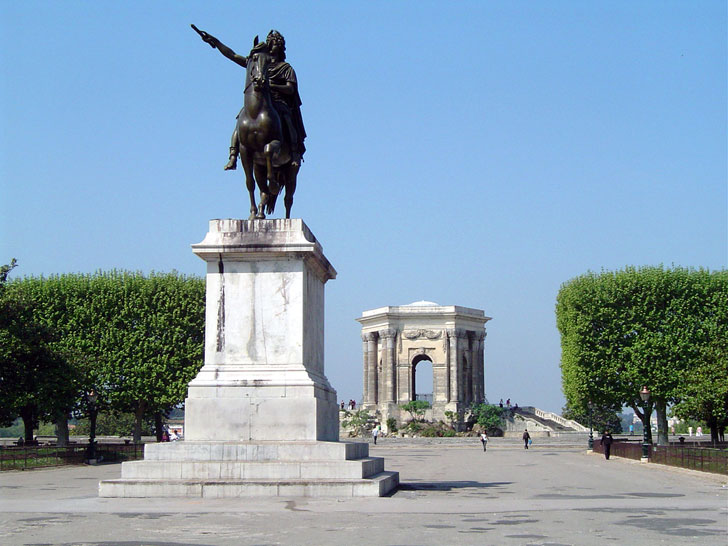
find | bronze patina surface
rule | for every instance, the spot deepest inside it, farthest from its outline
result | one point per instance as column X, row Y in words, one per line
column 269, row 133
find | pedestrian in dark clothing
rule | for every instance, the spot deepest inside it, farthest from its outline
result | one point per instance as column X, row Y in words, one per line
column 526, row 439
column 484, row 440
column 607, row 443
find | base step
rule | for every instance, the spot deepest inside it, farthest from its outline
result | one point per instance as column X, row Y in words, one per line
column 374, row 486
column 250, row 469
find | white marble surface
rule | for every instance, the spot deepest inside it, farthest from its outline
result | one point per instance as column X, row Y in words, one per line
column 263, row 377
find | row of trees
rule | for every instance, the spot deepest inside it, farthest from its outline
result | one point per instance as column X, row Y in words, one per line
column 113, row 342
column 666, row 329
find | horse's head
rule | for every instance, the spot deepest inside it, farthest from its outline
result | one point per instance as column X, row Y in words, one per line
column 258, row 62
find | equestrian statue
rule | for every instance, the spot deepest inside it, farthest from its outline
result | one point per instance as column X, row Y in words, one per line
column 269, row 130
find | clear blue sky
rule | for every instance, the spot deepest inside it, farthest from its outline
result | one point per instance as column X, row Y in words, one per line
column 468, row 153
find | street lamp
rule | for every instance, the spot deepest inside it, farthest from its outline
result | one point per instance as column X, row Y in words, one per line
column 590, row 444
column 645, row 396
column 92, row 397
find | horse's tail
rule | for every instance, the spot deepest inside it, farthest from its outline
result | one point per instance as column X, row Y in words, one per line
column 272, row 197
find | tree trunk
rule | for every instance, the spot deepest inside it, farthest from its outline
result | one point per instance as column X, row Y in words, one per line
column 27, row 413
column 661, row 408
column 92, row 415
column 714, row 434
column 61, row 429
column 644, row 415
column 713, row 424
column 158, row 426
column 139, row 416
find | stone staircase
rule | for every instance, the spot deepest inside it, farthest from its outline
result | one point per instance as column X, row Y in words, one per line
column 555, row 422
column 245, row 469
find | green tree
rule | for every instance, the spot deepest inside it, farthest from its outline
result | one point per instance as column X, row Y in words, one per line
column 632, row 328
column 135, row 340
column 705, row 387
column 488, row 416
column 156, row 342
column 416, row 409
column 35, row 378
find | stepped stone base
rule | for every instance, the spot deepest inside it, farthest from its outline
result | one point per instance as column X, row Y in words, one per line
column 248, row 469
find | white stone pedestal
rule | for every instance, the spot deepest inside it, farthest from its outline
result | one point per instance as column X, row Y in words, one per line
column 263, row 377
column 260, row 417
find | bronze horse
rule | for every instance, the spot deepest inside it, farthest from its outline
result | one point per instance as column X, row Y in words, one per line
column 265, row 155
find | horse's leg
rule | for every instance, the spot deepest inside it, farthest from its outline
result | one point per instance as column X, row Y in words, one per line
column 247, row 160
column 233, row 159
column 260, row 178
column 273, row 147
column 291, row 179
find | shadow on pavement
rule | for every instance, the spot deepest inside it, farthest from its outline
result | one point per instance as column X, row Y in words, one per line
column 448, row 486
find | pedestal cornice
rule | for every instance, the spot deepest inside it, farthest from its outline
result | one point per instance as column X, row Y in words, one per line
column 255, row 240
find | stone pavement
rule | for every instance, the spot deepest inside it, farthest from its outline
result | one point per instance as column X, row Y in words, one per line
column 451, row 493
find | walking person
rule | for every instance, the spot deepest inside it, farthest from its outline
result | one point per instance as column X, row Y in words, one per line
column 484, row 440
column 607, row 443
column 375, row 434
column 526, row 439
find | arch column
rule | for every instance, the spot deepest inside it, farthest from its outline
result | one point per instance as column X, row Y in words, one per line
column 469, row 366
column 479, row 351
column 461, row 344
column 365, row 365
column 371, row 396
column 389, row 367
column 454, row 366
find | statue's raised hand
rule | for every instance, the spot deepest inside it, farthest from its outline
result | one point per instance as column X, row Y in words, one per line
column 207, row 38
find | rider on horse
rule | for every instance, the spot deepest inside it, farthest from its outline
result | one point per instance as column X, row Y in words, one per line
column 284, row 92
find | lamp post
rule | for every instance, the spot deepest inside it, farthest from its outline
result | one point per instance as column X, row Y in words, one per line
column 645, row 396
column 92, row 397
column 590, row 443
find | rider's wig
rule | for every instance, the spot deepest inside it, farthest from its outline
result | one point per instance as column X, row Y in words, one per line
column 277, row 37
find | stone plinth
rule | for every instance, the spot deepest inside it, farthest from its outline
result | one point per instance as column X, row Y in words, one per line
column 263, row 377
column 261, row 418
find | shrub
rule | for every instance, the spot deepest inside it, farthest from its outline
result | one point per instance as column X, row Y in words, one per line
column 414, row 427
column 356, row 420
column 431, row 432
column 489, row 416
column 416, row 408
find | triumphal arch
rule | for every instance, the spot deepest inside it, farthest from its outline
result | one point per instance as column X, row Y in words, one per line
column 398, row 339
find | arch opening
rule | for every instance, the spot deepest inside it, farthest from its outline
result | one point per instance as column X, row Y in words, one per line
column 422, row 379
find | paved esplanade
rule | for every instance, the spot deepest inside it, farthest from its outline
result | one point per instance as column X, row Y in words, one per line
column 451, row 493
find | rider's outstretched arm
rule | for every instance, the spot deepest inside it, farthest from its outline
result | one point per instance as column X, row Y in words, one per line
column 225, row 50
column 230, row 54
